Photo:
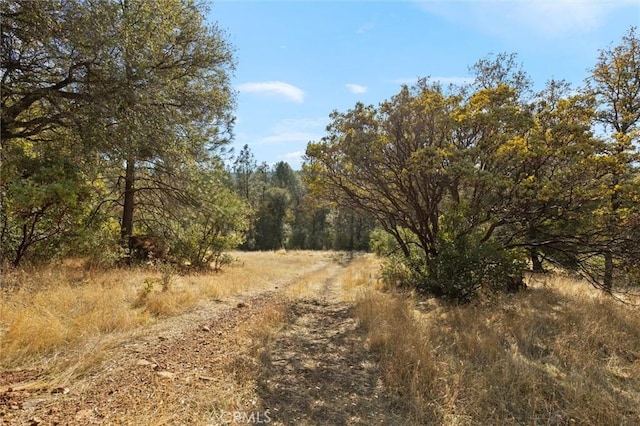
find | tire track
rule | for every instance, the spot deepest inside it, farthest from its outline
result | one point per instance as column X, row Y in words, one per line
column 318, row 370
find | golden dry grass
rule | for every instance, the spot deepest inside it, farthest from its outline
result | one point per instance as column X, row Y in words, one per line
column 555, row 354
column 49, row 310
column 361, row 275
column 559, row 353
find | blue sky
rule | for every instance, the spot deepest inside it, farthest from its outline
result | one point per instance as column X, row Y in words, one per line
column 300, row 60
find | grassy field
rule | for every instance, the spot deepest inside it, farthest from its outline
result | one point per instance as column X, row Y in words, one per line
column 557, row 353
column 59, row 308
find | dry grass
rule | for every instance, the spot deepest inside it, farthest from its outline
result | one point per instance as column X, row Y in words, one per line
column 308, row 286
column 52, row 310
column 361, row 275
column 237, row 375
column 556, row 354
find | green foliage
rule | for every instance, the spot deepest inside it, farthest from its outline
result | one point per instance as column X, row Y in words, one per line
column 43, row 66
column 100, row 244
column 466, row 265
column 168, row 272
column 383, row 243
column 44, row 197
column 214, row 222
column 244, row 168
column 285, row 215
column 466, row 180
column 350, row 229
column 110, row 109
column 144, row 292
column 615, row 85
column 462, row 266
column 271, row 225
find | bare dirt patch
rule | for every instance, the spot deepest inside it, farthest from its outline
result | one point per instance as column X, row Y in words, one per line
column 170, row 376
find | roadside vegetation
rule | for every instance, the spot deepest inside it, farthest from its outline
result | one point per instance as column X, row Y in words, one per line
column 121, row 207
column 557, row 353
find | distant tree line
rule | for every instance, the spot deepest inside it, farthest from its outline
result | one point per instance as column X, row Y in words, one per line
column 470, row 183
column 284, row 215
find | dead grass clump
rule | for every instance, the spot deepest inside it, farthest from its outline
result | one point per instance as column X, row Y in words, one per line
column 238, row 376
column 261, row 331
column 168, row 303
column 259, row 270
column 307, row 285
column 362, row 272
column 44, row 322
column 164, row 297
column 32, row 334
column 542, row 357
column 409, row 367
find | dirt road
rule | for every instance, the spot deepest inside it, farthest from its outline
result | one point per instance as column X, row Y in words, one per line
column 219, row 364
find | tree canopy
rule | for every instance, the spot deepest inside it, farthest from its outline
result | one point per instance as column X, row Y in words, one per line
column 130, row 99
column 471, row 181
column 116, row 116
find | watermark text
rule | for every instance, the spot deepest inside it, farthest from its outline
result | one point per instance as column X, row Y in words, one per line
column 250, row 417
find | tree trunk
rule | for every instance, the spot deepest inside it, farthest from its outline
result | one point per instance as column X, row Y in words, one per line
column 351, row 231
column 607, row 283
column 536, row 263
column 22, row 248
column 126, row 229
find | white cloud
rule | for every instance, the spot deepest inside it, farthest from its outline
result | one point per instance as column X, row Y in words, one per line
column 296, row 155
column 294, row 159
column 543, row 18
column 279, row 88
column 356, row 88
column 366, row 27
column 558, row 17
column 296, row 130
column 289, row 137
column 302, row 123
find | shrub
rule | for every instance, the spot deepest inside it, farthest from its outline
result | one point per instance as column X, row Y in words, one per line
column 461, row 268
column 466, row 265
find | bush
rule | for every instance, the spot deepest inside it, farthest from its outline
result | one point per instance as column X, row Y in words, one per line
column 382, row 243
column 214, row 225
column 205, row 250
column 396, row 273
column 462, row 267
column 466, row 265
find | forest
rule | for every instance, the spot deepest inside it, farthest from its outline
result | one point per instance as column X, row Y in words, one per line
column 117, row 119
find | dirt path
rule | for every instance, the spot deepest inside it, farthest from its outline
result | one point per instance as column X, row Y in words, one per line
column 320, row 372
column 199, row 369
